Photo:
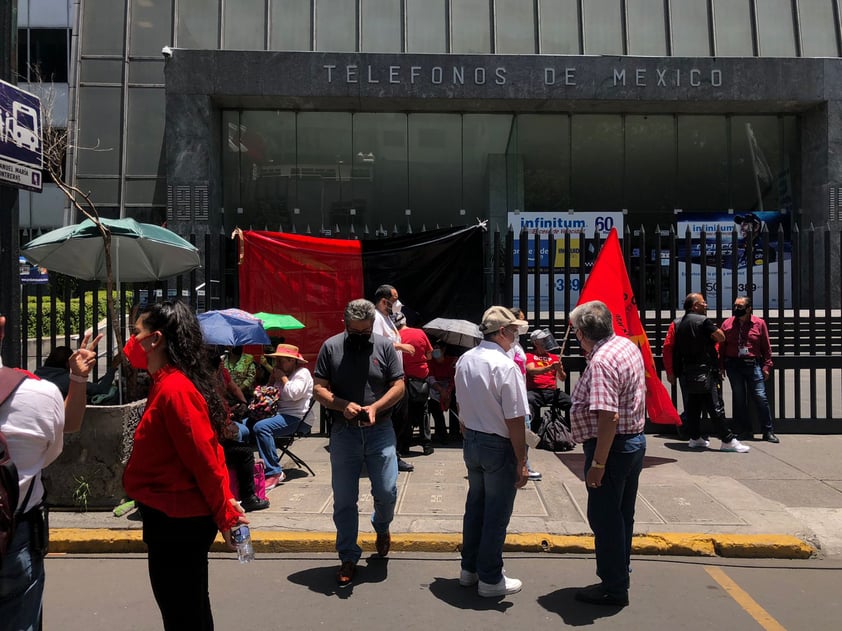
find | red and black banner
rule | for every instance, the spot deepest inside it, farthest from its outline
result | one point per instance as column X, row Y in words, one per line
column 438, row 273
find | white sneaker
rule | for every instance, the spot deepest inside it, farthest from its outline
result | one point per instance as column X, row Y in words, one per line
column 534, row 475
column 698, row 443
column 468, row 579
column 505, row 586
column 735, row 446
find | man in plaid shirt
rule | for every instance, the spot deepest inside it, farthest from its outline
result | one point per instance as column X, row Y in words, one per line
column 607, row 416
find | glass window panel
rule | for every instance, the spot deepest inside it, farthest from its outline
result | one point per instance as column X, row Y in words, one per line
column 101, row 71
column 231, row 168
column 382, row 26
column 100, row 116
column 818, row 28
column 543, row 141
column 702, row 163
column 145, row 137
column 470, row 26
column 597, row 145
column 48, row 54
column 151, row 27
column 103, row 25
column 146, row 72
column 47, row 13
column 324, row 161
column 484, row 142
column 690, row 28
column 245, row 24
column 426, row 26
column 776, row 28
column 515, row 24
column 650, row 167
column 198, row 24
column 291, row 25
column 732, row 25
column 603, row 22
column 756, row 166
column 336, row 25
column 379, row 191
column 262, row 143
column 647, row 27
column 559, row 27
column 101, row 190
column 146, row 191
column 435, row 167
column 790, row 182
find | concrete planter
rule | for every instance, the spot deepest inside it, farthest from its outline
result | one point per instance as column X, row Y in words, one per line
column 93, row 459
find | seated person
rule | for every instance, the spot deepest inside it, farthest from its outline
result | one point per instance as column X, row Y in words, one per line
column 296, row 387
column 242, row 368
column 442, row 367
column 56, row 368
column 238, row 456
column 542, row 370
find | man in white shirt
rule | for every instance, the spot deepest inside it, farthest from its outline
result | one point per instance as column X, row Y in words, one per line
column 386, row 303
column 493, row 409
column 33, row 419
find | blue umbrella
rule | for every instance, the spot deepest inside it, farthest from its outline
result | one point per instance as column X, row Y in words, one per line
column 232, row 327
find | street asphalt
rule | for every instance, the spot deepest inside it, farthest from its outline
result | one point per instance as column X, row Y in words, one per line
column 777, row 501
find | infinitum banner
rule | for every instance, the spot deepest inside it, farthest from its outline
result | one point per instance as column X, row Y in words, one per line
column 559, row 224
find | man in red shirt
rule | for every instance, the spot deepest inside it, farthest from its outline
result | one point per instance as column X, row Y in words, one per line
column 542, row 370
column 415, row 371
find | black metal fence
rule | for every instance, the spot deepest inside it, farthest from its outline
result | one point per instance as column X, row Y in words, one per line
column 794, row 281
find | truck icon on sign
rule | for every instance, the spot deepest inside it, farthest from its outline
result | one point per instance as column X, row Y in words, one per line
column 21, row 127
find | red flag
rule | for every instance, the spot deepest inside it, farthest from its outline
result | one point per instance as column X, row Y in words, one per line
column 609, row 283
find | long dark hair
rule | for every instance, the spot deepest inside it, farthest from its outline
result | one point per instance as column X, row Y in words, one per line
column 186, row 351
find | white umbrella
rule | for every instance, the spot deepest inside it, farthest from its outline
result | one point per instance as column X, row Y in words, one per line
column 455, row 332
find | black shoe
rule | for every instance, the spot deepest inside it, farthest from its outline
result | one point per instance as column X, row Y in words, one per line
column 405, row 466
column 383, row 543
column 346, row 573
column 770, row 437
column 596, row 595
column 254, row 503
column 428, row 450
column 404, row 452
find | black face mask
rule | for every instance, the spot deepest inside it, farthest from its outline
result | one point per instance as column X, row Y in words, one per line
column 738, row 312
column 358, row 341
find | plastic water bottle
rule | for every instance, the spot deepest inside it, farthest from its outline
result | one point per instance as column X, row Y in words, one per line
column 241, row 537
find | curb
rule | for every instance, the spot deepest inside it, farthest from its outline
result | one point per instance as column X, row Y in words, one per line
column 768, row 546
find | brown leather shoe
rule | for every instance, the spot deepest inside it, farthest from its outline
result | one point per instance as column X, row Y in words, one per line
column 346, row 573
column 383, row 543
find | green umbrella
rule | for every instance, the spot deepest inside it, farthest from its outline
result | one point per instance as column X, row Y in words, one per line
column 140, row 252
column 278, row 321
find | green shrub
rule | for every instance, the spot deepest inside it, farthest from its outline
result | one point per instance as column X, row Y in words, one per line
column 61, row 308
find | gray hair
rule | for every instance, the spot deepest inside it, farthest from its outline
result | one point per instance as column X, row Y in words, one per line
column 593, row 319
column 359, row 310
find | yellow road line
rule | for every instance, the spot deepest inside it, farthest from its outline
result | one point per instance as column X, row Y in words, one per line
column 744, row 600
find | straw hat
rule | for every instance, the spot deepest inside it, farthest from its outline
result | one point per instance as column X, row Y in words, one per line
column 287, row 350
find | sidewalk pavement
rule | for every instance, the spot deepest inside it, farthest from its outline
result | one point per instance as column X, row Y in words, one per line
column 777, row 501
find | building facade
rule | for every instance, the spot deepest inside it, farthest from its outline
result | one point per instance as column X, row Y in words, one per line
column 357, row 115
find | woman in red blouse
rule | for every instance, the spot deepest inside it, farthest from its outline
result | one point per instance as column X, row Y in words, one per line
column 177, row 472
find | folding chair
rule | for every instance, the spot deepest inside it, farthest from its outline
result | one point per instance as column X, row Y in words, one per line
column 285, row 442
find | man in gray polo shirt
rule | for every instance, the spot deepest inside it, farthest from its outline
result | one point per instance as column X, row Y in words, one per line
column 359, row 379
column 493, row 408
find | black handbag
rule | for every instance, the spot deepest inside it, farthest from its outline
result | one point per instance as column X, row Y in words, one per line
column 698, row 379
column 418, row 390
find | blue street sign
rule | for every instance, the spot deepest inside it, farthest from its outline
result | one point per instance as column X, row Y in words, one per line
column 21, row 141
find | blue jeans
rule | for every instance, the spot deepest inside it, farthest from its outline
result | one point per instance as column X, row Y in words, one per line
column 21, row 583
column 492, row 473
column 611, row 509
column 264, row 433
column 747, row 381
column 350, row 448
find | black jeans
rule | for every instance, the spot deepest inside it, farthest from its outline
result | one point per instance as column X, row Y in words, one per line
column 178, row 568
column 542, row 397
column 240, row 458
column 710, row 401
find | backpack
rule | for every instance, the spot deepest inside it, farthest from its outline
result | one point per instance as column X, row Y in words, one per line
column 10, row 379
column 554, row 433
